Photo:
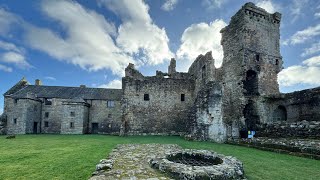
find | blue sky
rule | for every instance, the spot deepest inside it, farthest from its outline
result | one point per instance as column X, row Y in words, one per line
column 68, row 43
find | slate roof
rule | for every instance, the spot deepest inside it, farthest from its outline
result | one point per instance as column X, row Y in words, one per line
column 69, row 92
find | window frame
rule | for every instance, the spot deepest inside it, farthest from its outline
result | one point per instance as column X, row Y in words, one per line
column 146, row 97
column 111, row 103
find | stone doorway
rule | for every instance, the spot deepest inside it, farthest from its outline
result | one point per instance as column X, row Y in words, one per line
column 95, row 128
column 251, row 116
column 35, row 127
column 280, row 114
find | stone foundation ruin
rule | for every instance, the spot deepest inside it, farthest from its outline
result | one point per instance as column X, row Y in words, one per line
column 166, row 161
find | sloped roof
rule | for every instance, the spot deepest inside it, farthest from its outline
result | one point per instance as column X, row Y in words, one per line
column 69, row 92
column 21, row 84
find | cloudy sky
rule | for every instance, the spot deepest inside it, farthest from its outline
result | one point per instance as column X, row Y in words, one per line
column 69, row 43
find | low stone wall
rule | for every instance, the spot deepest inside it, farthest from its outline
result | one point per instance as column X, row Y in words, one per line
column 308, row 148
column 302, row 129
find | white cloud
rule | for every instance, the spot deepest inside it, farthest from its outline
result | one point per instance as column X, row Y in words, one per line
column 50, row 78
column 6, row 20
column 9, row 47
column 13, row 55
column 5, row 68
column 1, row 110
column 87, row 40
column 169, row 5
column 138, row 35
column 317, row 15
column 114, row 84
column 296, row 9
column 308, row 73
column 268, row 5
column 199, row 39
column 303, row 35
column 315, row 48
column 212, row 4
column 16, row 59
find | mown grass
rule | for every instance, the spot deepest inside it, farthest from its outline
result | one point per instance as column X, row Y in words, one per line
column 75, row 157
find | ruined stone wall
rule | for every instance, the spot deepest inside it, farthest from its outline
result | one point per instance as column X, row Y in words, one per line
column 203, row 71
column 251, row 62
column 209, row 124
column 164, row 112
column 21, row 115
column 300, row 129
column 108, row 118
column 295, row 106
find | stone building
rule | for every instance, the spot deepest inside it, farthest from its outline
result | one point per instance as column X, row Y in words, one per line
column 66, row 110
column 205, row 103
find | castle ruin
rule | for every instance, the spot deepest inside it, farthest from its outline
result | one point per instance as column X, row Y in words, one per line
column 205, row 103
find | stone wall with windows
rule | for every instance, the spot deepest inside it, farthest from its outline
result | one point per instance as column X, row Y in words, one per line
column 105, row 116
column 156, row 105
column 74, row 118
column 23, row 115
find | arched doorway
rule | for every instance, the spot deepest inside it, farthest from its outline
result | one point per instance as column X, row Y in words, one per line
column 251, row 83
column 251, row 116
column 280, row 114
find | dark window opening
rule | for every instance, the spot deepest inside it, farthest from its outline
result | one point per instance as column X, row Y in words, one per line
column 182, row 97
column 72, row 114
column 277, row 61
column 46, row 124
column 203, row 75
column 16, row 101
column 46, row 114
column 109, row 115
column 257, row 57
column 251, row 83
column 146, row 97
column 15, row 121
column 71, row 125
column 110, row 104
column 280, row 114
column 47, row 101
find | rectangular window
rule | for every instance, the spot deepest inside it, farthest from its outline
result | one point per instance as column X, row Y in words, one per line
column 15, row 121
column 72, row 114
column 257, row 57
column 146, row 97
column 110, row 104
column 46, row 124
column 183, row 97
column 16, row 101
column 47, row 101
column 71, row 125
column 46, row 114
column 109, row 115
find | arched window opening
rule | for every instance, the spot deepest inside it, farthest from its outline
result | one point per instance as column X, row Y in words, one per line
column 251, row 83
column 280, row 114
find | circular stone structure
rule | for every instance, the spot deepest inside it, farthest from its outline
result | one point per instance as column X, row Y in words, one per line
column 199, row 164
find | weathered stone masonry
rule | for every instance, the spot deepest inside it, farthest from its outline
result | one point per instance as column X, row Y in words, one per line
column 205, row 103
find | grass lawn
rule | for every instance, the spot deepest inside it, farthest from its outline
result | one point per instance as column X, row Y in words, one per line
column 75, row 157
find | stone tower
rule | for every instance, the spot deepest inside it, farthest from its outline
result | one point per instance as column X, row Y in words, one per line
column 250, row 66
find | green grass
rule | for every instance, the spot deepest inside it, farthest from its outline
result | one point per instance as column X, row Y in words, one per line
column 75, row 157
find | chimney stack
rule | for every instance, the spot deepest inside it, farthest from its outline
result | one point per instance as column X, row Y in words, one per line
column 38, row 82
